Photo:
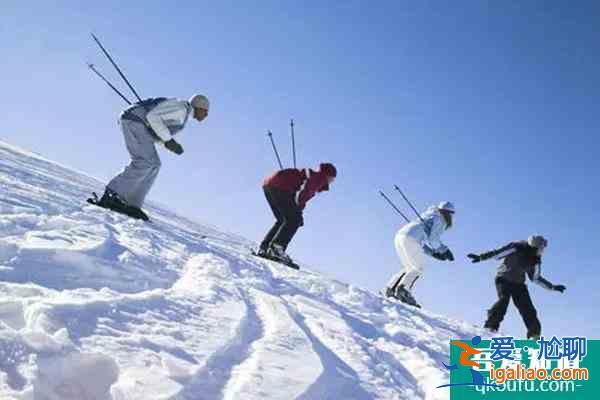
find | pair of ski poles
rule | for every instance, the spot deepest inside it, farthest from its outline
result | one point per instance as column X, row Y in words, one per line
column 270, row 135
column 117, row 91
column 391, row 203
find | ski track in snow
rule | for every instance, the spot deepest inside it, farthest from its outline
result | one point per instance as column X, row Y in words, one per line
column 97, row 306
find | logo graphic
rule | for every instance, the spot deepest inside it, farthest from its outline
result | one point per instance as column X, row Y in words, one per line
column 505, row 368
column 467, row 352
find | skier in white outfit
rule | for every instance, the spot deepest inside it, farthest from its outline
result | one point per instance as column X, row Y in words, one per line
column 417, row 241
column 145, row 124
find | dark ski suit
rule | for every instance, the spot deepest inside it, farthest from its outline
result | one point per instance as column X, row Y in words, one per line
column 518, row 259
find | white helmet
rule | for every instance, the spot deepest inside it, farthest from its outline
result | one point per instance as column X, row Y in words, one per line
column 199, row 101
column 537, row 241
column 446, row 206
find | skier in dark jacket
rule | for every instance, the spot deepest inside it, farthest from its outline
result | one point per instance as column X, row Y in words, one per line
column 518, row 259
column 287, row 192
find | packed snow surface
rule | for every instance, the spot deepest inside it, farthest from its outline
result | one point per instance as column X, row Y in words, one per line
column 94, row 305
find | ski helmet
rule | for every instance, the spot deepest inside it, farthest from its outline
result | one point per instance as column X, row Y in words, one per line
column 537, row 241
column 446, row 206
column 328, row 169
column 199, row 101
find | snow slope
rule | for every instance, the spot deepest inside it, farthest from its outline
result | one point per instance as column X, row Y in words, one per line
column 97, row 306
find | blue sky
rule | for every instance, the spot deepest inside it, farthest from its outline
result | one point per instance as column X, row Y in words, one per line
column 492, row 105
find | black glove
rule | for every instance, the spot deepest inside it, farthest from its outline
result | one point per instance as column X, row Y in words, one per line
column 445, row 256
column 474, row 258
column 559, row 288
column 174, row 147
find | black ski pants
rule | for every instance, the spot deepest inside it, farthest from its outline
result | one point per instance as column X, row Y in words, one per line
column 288, row 218
column 520, row 296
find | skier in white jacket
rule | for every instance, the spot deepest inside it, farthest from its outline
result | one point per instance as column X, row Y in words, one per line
column 414, row 243
column 152, row 121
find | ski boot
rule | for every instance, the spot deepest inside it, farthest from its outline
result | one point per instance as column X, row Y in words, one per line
column 111, row 200
column 533, row 336
column 278, row 254
column 136, row 212
column 262, row 253
column 108, row 200
column 389, row 292
column 406, row 297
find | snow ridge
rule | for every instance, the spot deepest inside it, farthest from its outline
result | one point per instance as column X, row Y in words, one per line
column 97, row 306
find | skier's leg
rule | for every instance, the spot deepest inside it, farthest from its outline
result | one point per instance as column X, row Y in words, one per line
column 522, row 300
column 272, row 200
column 498, row 311
column 148, row 161
column 393, row 283
column 135, row 181
column 412, row 257
column 292, row 220
column 396, row 282
column 289, row 229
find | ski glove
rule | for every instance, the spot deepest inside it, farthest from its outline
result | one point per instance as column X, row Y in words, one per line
column 559, row 288
column 474, row 258
column 174, row 147
column 445, row 256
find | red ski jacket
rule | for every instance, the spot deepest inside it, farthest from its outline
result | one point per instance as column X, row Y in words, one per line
column 303, row 183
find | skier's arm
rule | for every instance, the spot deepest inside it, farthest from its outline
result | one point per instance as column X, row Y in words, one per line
column 537, row 278
column 436, row 227
column 309, row 189
column 445, row 256
column 167, row 110
column 432, row 246
column 497, row 253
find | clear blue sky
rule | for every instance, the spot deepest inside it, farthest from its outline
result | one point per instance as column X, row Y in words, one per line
column 492, row 105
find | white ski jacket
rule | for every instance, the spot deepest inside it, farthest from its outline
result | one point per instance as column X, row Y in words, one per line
column 169, row 117
column 428, row 234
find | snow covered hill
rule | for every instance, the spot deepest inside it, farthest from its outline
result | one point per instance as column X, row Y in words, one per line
column 97, row 306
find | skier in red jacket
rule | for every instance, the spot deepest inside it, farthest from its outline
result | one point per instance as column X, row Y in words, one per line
column 287, row 192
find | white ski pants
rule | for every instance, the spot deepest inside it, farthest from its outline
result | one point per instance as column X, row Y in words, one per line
column 412, row 258
column 136, row 180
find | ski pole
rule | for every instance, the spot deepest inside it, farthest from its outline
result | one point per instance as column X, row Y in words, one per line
column 93, row 68
column 293, row 141
column 270, row 135
column 116, row 66
column 409, row 203
column 394, row 206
